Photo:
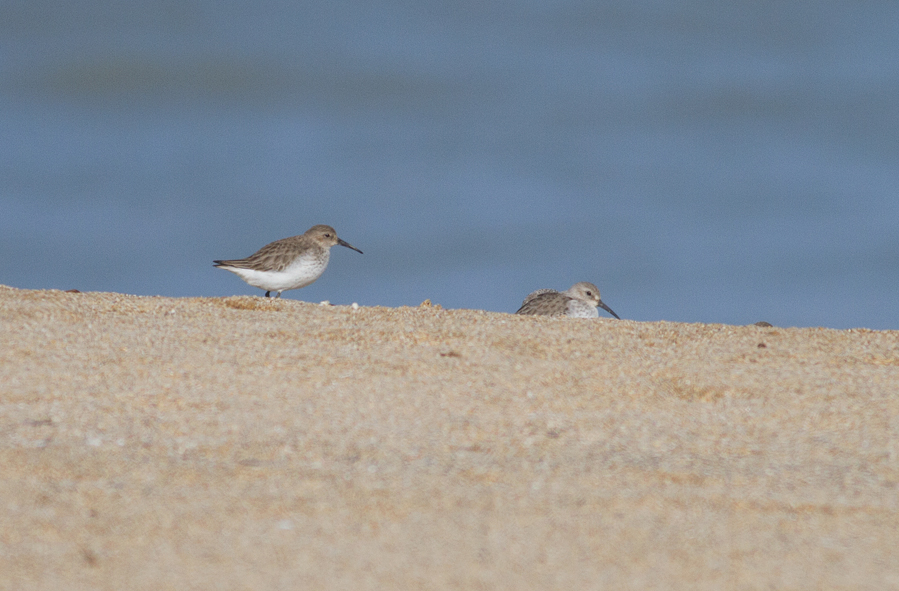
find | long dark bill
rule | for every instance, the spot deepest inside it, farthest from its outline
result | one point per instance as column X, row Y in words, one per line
column 348, row 245
column 608, row 309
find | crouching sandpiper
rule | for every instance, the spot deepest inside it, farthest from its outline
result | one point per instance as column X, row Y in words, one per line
column 289, row 263
column 579, row 301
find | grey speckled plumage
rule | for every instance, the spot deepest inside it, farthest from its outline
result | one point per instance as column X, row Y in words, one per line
column 534, row 294
column 579, row 301
column 289, row 263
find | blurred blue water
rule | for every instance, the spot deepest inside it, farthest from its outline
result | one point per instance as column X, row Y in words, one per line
column 698, row 162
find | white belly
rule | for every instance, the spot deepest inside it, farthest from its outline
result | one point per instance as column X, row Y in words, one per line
column 300, row 273
column 579, row 309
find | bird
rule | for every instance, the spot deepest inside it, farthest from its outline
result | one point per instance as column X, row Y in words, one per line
column 578, row 301
column 289, row 263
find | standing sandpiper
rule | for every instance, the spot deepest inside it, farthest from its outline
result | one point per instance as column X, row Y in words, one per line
column 289, row 263
column 580, row 301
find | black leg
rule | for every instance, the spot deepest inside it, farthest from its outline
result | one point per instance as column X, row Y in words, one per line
column 279, row 295
column 267, row 294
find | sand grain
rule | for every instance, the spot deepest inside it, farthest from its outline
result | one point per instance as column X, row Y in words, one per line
column 245, row 443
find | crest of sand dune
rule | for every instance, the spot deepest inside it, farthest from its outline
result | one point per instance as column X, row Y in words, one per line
column 244, row 443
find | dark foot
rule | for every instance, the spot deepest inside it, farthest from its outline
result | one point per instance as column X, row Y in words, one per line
column 268, row 294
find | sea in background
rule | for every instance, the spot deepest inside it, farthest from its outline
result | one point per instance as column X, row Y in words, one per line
column 698, row 161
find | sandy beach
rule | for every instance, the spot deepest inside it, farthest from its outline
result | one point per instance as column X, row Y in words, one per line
column 245, row 443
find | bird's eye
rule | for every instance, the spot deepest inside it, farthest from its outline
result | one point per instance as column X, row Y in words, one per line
column 589, row 293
